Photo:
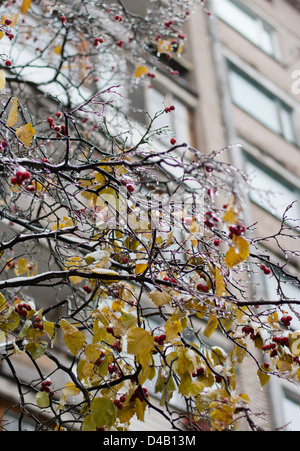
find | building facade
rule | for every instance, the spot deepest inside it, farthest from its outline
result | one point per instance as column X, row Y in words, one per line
column 235, row 87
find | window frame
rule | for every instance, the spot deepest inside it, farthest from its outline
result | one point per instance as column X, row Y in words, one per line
column 280, row 106
column 260, row 24
column 249, row 159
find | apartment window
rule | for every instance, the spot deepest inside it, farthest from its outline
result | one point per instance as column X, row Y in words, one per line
column 248, row 24
column 261, row 104
column 272, row 193
column 291, row 413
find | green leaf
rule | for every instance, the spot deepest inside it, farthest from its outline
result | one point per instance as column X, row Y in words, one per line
column 42, row 399
column 103, row 412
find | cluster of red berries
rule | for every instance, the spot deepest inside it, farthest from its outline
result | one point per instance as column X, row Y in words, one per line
column 286, row 320
column 171, row 280
column 38, row 324
column 201, row 287
column 248, row 330
column 117, row 346
column 8, row 33
column 283, row 341
column 128, row 185
column 59, row 129
column 169, row 23
column 20, row 177
column 199, row 372
column 45, row 386
column 98, row 41
column 168, row 109
column 119, row 402
column 269, row 347
column 159, row 339
column 87, row 289
column 113, row 368
column 265, row 269
column 118, row 18
column 138, row 394
column 22, row 309
column 120, row 43
column 210, row 220
column 236, row 230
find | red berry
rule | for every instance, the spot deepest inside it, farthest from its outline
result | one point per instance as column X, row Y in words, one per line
column 130, row 188
column 173, row 141
column 8, row 63
column 87, row 289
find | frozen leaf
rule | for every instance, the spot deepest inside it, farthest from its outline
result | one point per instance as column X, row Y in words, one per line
column 57, row 49
column 141, row 267
column 74, row 338
column 2, row 80
column 139, row 341
column 103, row 412
column 42, row 399
column 160, row 298
column 21, row 267
column 12, row 17
column 140, row 409
column 26, row 134
column 263, row 377
column 140, row 71
column 13, row 114
column 230, row 216
column 172, row 329
column 25, row 6
column 220, row 284
column 238, row 253
column 211, row 325
column 71, row 390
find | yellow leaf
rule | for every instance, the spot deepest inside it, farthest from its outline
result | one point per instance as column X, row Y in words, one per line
column 230, row 216
column 26, row 134
column 74, row 338
column 164, row 46
column 2, row 80
column 211, row 325
column 139, row 341
column 160, row 298
column 220, row 284
column 172, row 329
column 141, row 267
column 140, row 409
column 263, row 377
column 57, row 49
column 71, row 390
column 25, row 6
column 12, row 17
column 21, row 267
column 13, row 114
column 42, row 399
column 140, row 71
column 238, row 253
